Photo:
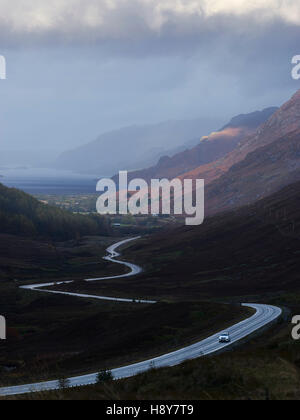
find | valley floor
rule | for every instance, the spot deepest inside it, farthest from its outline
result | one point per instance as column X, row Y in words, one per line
column 251, row 254
column 53, row 336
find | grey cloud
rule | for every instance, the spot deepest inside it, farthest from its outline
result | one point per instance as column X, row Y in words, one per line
column 129, row 25
column 132, row 70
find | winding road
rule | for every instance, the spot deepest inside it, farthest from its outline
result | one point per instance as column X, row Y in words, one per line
column 264, row 316
column 112, row 255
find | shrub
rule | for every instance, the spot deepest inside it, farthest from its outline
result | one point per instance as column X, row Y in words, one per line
column 104, row 376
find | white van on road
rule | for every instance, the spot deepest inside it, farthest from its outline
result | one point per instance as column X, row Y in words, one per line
column 225, row 338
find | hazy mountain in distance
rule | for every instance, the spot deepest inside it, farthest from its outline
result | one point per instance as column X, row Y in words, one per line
column 133, row 147
column 208, row 148
column 155, row 155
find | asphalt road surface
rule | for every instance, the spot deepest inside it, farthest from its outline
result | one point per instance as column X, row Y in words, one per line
column 264, row 315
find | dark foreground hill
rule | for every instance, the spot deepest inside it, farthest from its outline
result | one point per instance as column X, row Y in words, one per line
column 21, row 214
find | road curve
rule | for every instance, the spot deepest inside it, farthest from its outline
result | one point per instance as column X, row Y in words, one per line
column 264, row 315
column 112, row 255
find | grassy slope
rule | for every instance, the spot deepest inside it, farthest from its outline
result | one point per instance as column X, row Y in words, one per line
column 26, row 260
column 266, row 368
column 51, row 336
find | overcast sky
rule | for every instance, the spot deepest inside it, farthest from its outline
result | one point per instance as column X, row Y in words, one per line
column 77, row 68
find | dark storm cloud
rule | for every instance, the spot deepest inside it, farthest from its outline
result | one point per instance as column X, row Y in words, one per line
column 139, row 61
column 131, row 24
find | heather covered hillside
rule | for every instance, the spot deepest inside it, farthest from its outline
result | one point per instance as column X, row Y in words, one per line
column 252, row 251
column 262, row 172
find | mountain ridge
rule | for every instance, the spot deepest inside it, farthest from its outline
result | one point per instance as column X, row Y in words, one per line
column 284, row 121
column 262, row 164
column 209, row 149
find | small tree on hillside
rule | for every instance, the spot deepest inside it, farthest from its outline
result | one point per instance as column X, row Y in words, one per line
column 64, row 383
column 104, row 376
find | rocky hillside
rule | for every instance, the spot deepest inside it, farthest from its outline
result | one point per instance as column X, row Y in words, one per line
column 210, row 148
column 262, row 164
column 283, row 122
column 262, row 172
